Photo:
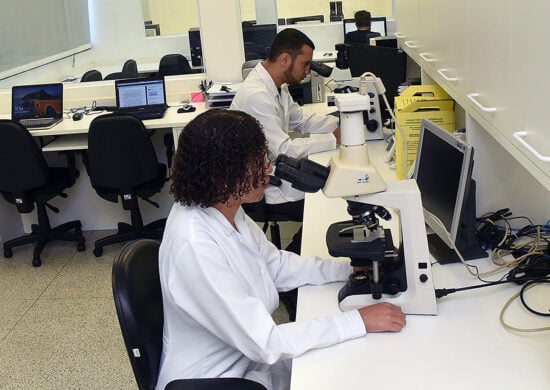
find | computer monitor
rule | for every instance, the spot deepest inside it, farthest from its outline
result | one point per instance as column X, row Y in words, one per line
column 257, row 39
column 306, row 19
column 388, row 64
column 377, row 24
column 443, row 170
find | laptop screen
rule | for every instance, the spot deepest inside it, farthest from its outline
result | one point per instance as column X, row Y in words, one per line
column 37, row 101
column 136, row 93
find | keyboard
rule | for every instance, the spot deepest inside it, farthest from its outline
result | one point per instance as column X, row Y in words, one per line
column 145, row 114
column 39, row 123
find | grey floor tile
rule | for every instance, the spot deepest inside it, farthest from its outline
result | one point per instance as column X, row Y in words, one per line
column 11, row 311
column 85, row 276
column 20, row 280
column 66, row 344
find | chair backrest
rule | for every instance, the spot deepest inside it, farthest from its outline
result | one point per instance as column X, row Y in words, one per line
column 120, row 152
column 248, row 66
column 173, row 64
column 22, row 165
column 118, row 76
column 138, row 301
column 130, row 67
column 91, row 75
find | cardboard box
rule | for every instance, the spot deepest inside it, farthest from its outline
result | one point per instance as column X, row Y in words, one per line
column 417, row 102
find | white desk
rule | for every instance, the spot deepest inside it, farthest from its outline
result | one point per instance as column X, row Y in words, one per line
column 73, row 135
column 463, row 347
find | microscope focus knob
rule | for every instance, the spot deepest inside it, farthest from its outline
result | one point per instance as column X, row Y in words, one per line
column 423, row 278
column 372, row 125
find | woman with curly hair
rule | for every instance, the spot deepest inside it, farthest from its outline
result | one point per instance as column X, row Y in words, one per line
column 220, row 275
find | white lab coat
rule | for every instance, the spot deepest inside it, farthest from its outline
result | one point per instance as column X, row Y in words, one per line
column 278, row 113
column 220, row 287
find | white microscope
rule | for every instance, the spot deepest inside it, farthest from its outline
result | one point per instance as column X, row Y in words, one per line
column 372, row 116
column 397, row 267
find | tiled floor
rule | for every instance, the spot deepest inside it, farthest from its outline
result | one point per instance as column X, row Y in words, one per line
column 58, row 325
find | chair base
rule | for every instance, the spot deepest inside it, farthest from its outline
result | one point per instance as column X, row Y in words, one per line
column 127, row 232
column 41, row 238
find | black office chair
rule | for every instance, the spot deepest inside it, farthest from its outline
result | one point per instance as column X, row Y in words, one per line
column 261, row 212
column 122, row 163
column 138, row 301
column 91, row 75
column 119, row 76
column 173, row 64
column 25, row 181
column 130, row 67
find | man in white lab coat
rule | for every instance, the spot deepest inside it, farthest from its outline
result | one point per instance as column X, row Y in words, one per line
column 264, row 95
column 220, row 275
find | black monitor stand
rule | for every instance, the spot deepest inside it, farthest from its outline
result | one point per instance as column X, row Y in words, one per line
column 466, row 241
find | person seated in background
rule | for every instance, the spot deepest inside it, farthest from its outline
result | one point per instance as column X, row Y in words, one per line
column 220, row 275
column 363, row 34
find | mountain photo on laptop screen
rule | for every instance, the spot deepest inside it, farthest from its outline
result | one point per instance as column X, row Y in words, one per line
column 37, row 101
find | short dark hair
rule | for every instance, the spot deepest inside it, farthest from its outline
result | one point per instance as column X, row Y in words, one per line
column 362, row 18
column 289, row 41
column 221, row 155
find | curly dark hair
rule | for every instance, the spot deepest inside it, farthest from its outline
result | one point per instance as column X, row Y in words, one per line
column 221, row 155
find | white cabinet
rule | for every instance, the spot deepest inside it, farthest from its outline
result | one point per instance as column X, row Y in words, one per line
column 530, row 81
column 486, row 77
column 491, row 56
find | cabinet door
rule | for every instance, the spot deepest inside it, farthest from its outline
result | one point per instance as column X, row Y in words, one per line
column 530, row 81
column 406, row 12
column 449, row 43
column 487, row 53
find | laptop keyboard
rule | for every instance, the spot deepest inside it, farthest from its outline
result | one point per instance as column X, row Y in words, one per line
column 36, row 122
column 148, row 114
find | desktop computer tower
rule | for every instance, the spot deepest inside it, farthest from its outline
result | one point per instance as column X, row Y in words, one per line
column 195, row 46
column 336, row 11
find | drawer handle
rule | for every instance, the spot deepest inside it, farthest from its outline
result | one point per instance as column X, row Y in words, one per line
column 411, row 44
column 442, row 73
column 519, row 136
column 399, row 35
column 425, row 57
column 473, row 96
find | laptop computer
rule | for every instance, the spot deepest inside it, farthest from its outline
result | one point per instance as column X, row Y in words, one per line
column 38, row 106
column 144, row 98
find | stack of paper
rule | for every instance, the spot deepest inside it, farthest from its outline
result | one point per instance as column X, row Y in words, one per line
column 221, row 95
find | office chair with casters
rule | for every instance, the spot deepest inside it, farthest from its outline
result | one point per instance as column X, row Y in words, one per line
column 122, row 163
column 173, row 64
column 119, row 76
column 91, row 75
column 138, row 300
column 28, row 182
column 130, row 67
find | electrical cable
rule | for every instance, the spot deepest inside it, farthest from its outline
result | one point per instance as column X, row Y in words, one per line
column 381, row 89
column 521, row 293
column 531, row 264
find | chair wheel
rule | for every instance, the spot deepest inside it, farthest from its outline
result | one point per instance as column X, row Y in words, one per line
column 36, row 262
column 98, row 251
column 81, row 247
column 8, row 253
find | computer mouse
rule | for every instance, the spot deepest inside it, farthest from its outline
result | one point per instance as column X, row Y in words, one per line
column 187, row 108
column 77, row 116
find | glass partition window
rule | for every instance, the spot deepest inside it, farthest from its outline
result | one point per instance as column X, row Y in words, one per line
column 172, row 17
column 32, row 35
column 169, row 17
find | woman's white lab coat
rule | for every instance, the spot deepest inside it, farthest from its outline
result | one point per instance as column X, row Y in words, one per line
column 220, row 287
